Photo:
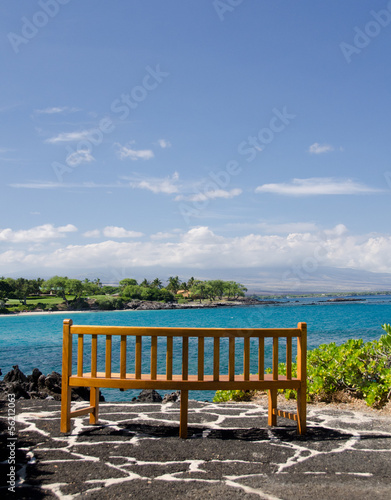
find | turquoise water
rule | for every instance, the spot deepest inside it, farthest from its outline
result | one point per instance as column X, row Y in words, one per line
column 36, row 340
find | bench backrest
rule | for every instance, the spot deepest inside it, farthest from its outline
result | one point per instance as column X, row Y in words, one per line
column 155, row 333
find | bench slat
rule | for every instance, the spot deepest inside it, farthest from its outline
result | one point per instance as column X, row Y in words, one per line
column 94, row 354
column 289, row 358
column 261, row 358
column 231, row 358
column 138, row 356
column 216, row 358
column 184, row 332
column 275, row 359
column 122, row 366
column 108, row 356
column 185, row 358
column 178, row 383
column 201, row 353
column 153, row 358
column 246, row 358
column 80, row 342
column 169, row 359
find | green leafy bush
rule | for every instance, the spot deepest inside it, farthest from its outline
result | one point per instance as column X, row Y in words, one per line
column 222, row 396
column 362, row 369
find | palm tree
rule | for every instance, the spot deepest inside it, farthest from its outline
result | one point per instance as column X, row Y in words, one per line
column 174, row 284
column 156, row 283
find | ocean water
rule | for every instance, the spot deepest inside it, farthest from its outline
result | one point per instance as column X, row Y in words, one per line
column 35, row 341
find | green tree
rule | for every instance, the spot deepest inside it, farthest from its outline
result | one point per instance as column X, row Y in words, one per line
column 131, row 292
column 57, row 285
column 127, row 281
column 91, row 287
column 74, row 287
column 216, row 289
column 5, row 289
column 174, row 284
column 198, row 290
column 156, row 283
column 22, row 289
column 190, row 283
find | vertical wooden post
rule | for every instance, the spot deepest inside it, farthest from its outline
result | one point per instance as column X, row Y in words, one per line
column 302, row 376
column 66, row 373
column 272, row 416
column 184, row 406
column 94, row 391
column 94, row 401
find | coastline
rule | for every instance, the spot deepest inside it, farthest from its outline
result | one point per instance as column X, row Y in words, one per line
column 145, row 305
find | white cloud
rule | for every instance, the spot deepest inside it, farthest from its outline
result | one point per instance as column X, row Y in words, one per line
column 55, row 110
column 201, row 248
column 317, row 148
column 79, row 156
column 124, row 152
column 316, row 186
column 6, row 150
column 210, row 195
column 36, row 234
column 70, row 136
column 94, row 233
column 120, row 232
column 162, row 236
column 166, row 185
column 164, row 144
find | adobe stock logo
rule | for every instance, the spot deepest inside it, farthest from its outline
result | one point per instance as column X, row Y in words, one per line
column 30, row 27
column 371, row 30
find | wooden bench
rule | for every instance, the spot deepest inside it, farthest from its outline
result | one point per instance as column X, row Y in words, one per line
column 183, row 381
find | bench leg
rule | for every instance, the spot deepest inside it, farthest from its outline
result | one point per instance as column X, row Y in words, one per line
column 183, row 414
column 302, row 410
column 65, row 408
column 272, row 418
column 94, row 401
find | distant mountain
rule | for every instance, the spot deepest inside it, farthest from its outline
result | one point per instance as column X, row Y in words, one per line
column 323, row 279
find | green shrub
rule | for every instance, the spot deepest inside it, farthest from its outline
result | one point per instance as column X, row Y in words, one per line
column 363, row 369
column 222, row 396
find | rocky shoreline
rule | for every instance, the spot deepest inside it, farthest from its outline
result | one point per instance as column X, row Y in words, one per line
column 48, row 387
column 90, row 305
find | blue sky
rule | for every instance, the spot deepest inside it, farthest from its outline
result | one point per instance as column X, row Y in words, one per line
column 146, row 138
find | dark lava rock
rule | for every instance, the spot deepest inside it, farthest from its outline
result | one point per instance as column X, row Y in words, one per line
column 171, row 398
column 39, row 386
column 148, row 396
column 15, row 375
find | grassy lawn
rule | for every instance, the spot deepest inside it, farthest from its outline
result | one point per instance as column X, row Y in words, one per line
column 52, row 300
column 35, row 300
